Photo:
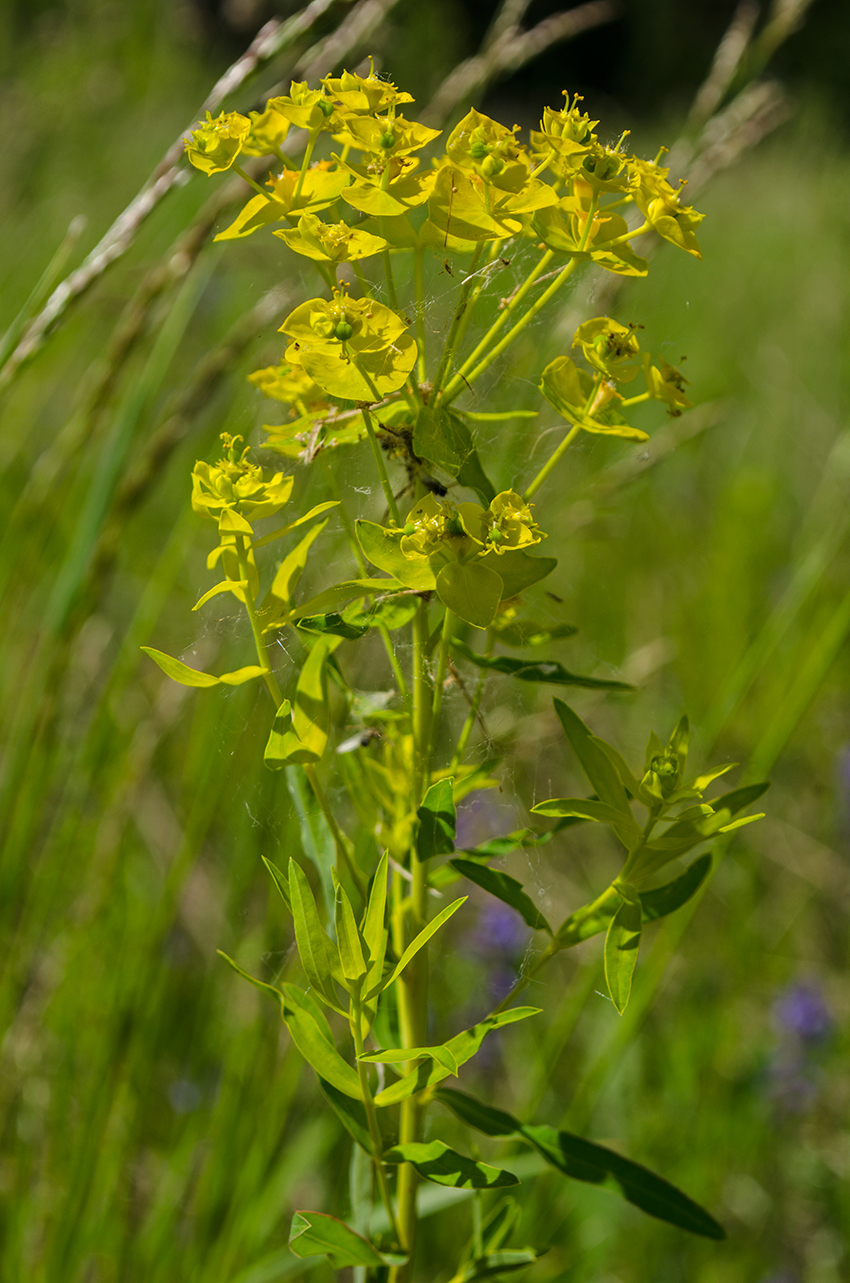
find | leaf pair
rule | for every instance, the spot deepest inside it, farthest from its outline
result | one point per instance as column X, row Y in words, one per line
column 585, row 1161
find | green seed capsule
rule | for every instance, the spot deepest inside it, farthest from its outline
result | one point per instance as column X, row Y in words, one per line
column 495, row 536
column 478, row 150
column 388, row 140
column 326, row 107
column 410, row 529
column 343, row 331
column 491, row 166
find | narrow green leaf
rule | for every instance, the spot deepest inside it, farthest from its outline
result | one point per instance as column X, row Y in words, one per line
column 398, row 1055
column 186, row 676
column 392, row 611
column 236, row 586
column 622, row 821
column 548, row 672
column 316, row 1234
column 739, row 798
column 621, row 766
column 332, row 623
column 258, row 984
column 463, row 1047
column 342, row 592
column 503, row 1262
column 374, row 930
column 484, row 1118
column 279, row 597
column 585, row 1161
column 436, row 816
column 504, row 888
column 350, row 1112
column 417, row 943
column 348, row 937
column 436, row 1162
column 595, row 763
column 280, row 882
column 314, row 948
column 667, row 899
column 621, row 950
column 293, row 525
column 317, row 1048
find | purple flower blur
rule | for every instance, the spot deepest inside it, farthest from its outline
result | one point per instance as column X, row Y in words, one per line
column 801, row 1010
column 500, row 930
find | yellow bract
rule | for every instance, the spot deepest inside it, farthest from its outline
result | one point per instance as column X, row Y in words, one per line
column 580, row 399
column 331, row 242
column 290, row 384
column 666, row 383
column 214, row 146
column 238, row 488
column 355, row 349
column 608, row 346
column 364, row 93
column 307, row 108
column 268, row 132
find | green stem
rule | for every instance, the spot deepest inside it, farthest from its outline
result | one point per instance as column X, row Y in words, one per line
column 305, row 163
column 371, row 1116
column 626, row 236
column 636, row 400
column 448, row 350
column 463, row 738
column 388, row 273
column 439, row 683
column 249, row 180
column 419, row 293
column 552, row 462
column 259, row 639
column 380, row 463
column 513, row 333
column 500, row 320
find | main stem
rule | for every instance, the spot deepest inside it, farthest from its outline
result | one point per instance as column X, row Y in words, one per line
column 372, row 1117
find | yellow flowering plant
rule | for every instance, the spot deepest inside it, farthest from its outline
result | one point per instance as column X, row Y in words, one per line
column 442, row 577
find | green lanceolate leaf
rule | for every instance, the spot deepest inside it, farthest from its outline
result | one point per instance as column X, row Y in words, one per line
column 350, row 1112
column 280, row 882
column 279, row 597
column 313, row 1039
column 388, row 612
column 417, row 943
column 585, row 1161
column 484, row 1118
column 258, row 984
column 186, row 676
column 332, row 623
column 471, row 590
column 374, row 930
column 621, row 949
column 492, row 1263
column 547, row 672
column 342, row 592
column 667, row 899
column 348, row 940
column 317, row 953
column 623, row 822
column 463, row 1047
column 436, row 1162
column 316, row 1234
column 436, row 815
column 595, row 764
column 398, row 1055
column 739, row 798
column 504, row 888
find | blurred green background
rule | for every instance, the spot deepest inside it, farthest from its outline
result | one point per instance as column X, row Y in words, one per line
column 155, row 1123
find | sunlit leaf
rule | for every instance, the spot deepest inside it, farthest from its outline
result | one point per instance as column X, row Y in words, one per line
column 317, row 1234
column 621, row 949
column 436, row 1162
column 471, row 591
column 180, row 672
